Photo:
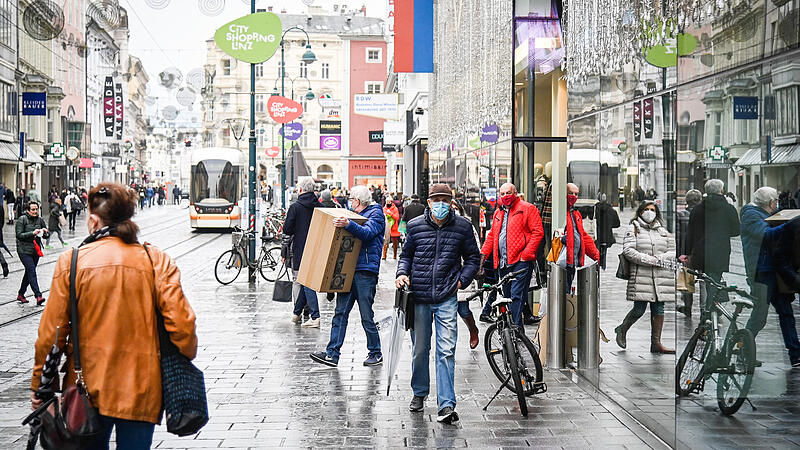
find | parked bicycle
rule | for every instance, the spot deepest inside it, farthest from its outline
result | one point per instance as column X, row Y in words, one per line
column 511, row 355
column 268, row 262
column 732, row 359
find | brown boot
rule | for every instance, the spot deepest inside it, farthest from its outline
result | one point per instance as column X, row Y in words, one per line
column 622, row 329
column 473, row 331
column 657, row 322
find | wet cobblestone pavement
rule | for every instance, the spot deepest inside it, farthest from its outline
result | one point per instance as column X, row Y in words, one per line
column 265, row 392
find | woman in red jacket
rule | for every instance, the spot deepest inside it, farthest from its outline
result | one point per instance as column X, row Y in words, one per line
column 393, row 220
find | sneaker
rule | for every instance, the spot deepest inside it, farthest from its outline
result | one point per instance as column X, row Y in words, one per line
column 295, row 319
column 48, row 247
column 21, row 299
column 40, row 300
column 531, row 320
column 323, row 358
column 311, row 323
column 417, row 404
column 485, row 318
column 373, row 360
column 65, row 244
column 447, row 415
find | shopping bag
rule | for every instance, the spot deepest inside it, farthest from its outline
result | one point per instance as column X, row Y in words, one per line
column 685, row 281
column 555, row 247
column 282, row 292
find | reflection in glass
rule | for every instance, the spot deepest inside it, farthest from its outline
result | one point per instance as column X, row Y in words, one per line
column 215, row 179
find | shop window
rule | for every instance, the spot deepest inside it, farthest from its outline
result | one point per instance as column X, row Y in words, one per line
column 787, row 110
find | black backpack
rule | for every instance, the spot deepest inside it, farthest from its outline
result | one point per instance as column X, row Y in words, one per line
column 75, row 204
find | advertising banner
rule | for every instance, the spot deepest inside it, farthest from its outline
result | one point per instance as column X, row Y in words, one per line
column 273, row 152
column 34, row 103
column 118, row 111
column 330, row 142
column 637, row 121
column 394, row 132
column 376, row 136
column 745, row 108
column 292, row 131
column 253, row 38
column 108, row 107
column 490, row 133
column 283, row 110
column 382, row 106
column 647, row 117
column 330, row 127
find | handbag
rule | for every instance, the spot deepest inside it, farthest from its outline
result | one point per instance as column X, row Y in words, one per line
column 62, row 221
column 76, row 424
column 183, row 388
column 624, row 268
column 556, row 245
column 685, row 282
column 404, row 301
column 282, row 292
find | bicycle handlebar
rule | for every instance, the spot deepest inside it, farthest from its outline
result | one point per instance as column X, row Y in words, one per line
column 497, row 286
column 720, row 286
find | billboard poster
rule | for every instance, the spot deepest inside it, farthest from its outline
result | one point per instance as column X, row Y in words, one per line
column 330, row 142
column 647, row 117
column 108, row 107
column 637, row 121
column 118, row 111
column 382, row 106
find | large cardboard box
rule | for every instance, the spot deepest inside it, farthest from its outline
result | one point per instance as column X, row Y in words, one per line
column 330, row 255
column 782, row 217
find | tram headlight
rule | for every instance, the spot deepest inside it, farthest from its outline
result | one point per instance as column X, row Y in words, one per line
column 197, row 209
column 230, row 209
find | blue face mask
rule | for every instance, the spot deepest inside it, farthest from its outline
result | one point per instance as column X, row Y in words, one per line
column 350, row 205
column 440, row 209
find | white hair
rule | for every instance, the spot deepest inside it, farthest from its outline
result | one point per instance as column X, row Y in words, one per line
column 714, row 186
column 306, row 184
column 361, row 193
column 764, row 196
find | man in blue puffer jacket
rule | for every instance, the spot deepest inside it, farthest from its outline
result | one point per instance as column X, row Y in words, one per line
column 431, row 264
column 365, row 280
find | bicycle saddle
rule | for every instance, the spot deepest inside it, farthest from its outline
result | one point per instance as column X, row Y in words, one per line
column 743, row 302
column 502, row 301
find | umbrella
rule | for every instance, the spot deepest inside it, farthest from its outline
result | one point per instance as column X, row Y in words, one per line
column 45, row 392
column 401, row 323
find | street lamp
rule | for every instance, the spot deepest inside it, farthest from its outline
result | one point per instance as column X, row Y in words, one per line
column 308, row 58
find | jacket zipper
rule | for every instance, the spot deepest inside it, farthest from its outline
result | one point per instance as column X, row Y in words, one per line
column 435, row 258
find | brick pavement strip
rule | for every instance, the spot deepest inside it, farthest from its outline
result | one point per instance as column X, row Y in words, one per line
column 265, row 392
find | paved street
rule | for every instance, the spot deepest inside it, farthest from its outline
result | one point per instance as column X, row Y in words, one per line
column 264, row 392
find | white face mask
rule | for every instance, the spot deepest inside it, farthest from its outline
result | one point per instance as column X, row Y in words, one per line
column 648, row 215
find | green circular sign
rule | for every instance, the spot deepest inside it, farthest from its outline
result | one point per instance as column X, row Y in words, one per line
column 253, row 38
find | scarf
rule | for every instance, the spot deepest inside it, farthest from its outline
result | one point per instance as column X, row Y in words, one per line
column 107, row 230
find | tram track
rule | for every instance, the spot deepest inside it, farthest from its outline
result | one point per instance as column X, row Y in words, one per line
column 200, row 244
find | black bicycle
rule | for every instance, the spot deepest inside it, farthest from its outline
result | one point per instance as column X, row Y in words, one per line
column 733, row 359
column 511, row 355
column 231, row 262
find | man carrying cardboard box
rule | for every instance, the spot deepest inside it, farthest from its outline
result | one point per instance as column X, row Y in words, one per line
column 365, row 280
column 431, row 264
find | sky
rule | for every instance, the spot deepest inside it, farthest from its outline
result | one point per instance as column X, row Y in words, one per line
column 176, row 36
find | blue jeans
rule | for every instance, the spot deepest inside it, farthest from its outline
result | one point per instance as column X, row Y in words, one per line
column 363, row 292
column 463, row 310
column 767, row 290
column 517, row 289
column 131, row 434
column 306, row 297
column 29, row 278
column 444, row 316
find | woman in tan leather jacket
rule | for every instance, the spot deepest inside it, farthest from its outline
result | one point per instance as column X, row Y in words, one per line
column 119, row 288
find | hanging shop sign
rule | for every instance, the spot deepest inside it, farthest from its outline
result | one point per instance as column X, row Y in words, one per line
column 334, row 113
column 330, row 127
column 118, row 111
column 745, row 108
column 388, row 148
column 273, row 152
column 376, row 136
column 108, row 107
column 326, row 101
column 86, row 163
column 57, row 151
column 718, row 153
column 490, row 133
column 292, row 131
column 647, row 117
column 330, row 142
column 382, row 106
column 394, row 132
column 253, row 38
column 72, row 153
column 637, row 121
column 474, row 141
column 34, row 103
column 283, row 110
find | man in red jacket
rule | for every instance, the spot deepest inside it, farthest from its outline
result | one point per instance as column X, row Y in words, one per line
column 577, row 242
column 512, row 242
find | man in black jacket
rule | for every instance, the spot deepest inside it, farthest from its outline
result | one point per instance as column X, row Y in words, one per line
column 413, row 210
column 298, row 221
column 607, row 219
column 693, row 198
column 712, row 224
column 431, row 264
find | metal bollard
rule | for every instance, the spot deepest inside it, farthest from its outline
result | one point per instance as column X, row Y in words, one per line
column 588, row 325
column 556, row 298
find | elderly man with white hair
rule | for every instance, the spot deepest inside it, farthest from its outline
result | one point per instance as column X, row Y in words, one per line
column 296, row 225
column 759, row 244
column 712, row 224
column 365, row 280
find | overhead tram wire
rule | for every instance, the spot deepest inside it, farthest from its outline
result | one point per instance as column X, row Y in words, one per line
column 155, row 41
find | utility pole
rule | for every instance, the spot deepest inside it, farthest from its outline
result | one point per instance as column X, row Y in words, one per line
column 251, row 168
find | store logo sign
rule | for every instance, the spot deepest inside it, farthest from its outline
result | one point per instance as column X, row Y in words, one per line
column 330, row 142
column 283, row 110
column 745, row 108
column 34, row 104
column 292, row 131
column 253, row 38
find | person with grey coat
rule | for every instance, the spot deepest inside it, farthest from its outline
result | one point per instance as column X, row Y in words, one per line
column 650, row 250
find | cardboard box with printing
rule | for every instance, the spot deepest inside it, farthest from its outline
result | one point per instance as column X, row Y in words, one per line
column 330, row 255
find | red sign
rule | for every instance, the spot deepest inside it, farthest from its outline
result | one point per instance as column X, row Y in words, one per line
column 283, row 110
column 86, row 163
column 272, row 152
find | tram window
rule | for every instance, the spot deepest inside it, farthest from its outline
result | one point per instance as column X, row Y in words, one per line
column 215, row 179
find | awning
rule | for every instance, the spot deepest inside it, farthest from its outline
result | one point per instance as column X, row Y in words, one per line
column 10, row 152
column 782, row 155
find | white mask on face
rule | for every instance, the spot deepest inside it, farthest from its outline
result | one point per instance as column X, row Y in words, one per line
column 648, row 215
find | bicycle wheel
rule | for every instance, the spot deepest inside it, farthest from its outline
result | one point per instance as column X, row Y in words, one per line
column 228, row 266
column 689, row 370
column 529, row 364
column 511, row 356
column 734, row 384
column 271, row 266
